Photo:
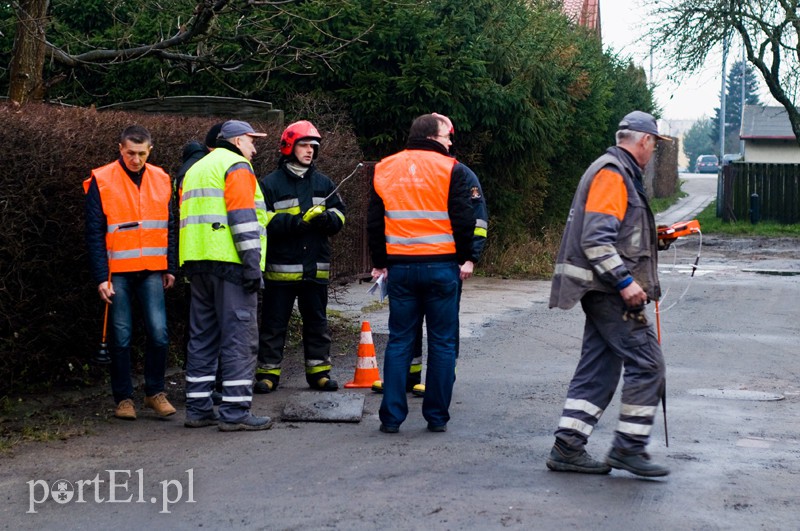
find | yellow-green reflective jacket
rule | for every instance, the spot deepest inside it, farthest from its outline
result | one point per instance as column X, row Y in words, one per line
column 223, row 228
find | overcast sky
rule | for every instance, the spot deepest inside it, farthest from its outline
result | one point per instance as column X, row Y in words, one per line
column 687, row 96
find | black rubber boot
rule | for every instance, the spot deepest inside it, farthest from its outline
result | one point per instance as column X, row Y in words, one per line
column 265, row 383
column 321, row 382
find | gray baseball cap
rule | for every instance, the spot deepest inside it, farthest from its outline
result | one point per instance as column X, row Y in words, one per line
column 234, row 128
column 642, row 122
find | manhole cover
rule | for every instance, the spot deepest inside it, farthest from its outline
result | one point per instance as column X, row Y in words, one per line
column 314, row 406
column 736, row 394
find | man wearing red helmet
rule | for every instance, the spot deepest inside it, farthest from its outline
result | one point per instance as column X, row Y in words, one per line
column 303, row 212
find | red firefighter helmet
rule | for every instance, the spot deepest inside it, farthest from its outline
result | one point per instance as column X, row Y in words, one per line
column 297, row 131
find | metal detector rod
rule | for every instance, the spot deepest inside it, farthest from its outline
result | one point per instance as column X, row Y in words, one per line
column 343, row 181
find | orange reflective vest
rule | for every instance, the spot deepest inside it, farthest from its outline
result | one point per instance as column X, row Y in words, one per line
column 142, row 246
column 414, row 186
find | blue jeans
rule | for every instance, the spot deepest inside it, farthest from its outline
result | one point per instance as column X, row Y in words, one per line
column 147, row 287
column 427, row 289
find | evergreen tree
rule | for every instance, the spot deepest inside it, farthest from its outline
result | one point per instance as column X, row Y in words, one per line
column 733, row 105
column 699, row 140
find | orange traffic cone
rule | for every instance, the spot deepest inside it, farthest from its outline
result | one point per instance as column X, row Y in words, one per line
column 367, row 365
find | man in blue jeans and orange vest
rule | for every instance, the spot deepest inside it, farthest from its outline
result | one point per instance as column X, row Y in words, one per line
column 420, row 226
column 414, row 382
column 132, row 255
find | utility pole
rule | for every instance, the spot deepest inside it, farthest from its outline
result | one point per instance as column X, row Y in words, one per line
column 722, row 98
column 744, row 83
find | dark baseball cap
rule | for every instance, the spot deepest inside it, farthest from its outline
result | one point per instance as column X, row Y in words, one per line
column 642, row 122
column 234, row 128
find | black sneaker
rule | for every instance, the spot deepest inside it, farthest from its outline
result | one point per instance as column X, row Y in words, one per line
column 638, row 464
column 389, row 429
column 440, row 428
column 575, row 461
column 251, row 423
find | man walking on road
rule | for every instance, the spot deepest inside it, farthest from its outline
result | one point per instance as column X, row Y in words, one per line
column 132, row 255
column 420, row 226
column 608, row 262
column 222, row 251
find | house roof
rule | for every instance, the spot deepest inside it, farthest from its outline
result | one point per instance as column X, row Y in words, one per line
column 585, row 13
column 766, row 122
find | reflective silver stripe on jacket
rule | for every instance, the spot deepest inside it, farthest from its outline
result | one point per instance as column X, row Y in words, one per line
column 251, row 226
column 145, row 224
column 416, row 214
column 608, row 264
column 246, row 245
column 202, row 192
column 137, row 253
column 204, row 219
column 481, row 224
column 574, row 271
column 436, row 238
column 285, row 268
column 286, row 204
column 593, row 253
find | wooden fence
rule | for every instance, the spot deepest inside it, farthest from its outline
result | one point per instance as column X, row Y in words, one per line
column 777, row 187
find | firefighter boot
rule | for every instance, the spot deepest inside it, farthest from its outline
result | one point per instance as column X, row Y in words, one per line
column 566, row 459
column 265, row 383
column 322, row 382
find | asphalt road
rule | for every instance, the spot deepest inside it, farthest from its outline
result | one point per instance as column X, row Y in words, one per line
column 730, row 337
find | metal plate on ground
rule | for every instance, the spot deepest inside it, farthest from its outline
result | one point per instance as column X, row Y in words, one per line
column 315, row 406
column 736, row 394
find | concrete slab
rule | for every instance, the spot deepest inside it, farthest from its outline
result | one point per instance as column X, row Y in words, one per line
column 316, row 406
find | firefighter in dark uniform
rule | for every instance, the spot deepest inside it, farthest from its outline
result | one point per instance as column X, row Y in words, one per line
column 303, row 213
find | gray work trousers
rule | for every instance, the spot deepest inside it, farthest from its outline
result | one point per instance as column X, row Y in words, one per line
column 609, row 345
column 223, row 327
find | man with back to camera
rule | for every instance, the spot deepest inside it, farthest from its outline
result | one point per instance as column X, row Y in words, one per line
column 414, row 382
column 420, row 225
column 608, row 261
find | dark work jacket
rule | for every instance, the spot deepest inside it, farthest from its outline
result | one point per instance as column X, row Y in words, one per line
column 291, row 242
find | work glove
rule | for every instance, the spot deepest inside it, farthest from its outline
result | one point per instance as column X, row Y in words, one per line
column 635, row 314
column 252, row 285
column 321, row 222
column 299, row 226
column 313, row 212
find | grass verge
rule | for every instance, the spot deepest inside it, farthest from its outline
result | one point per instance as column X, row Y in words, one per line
column 711, row 224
